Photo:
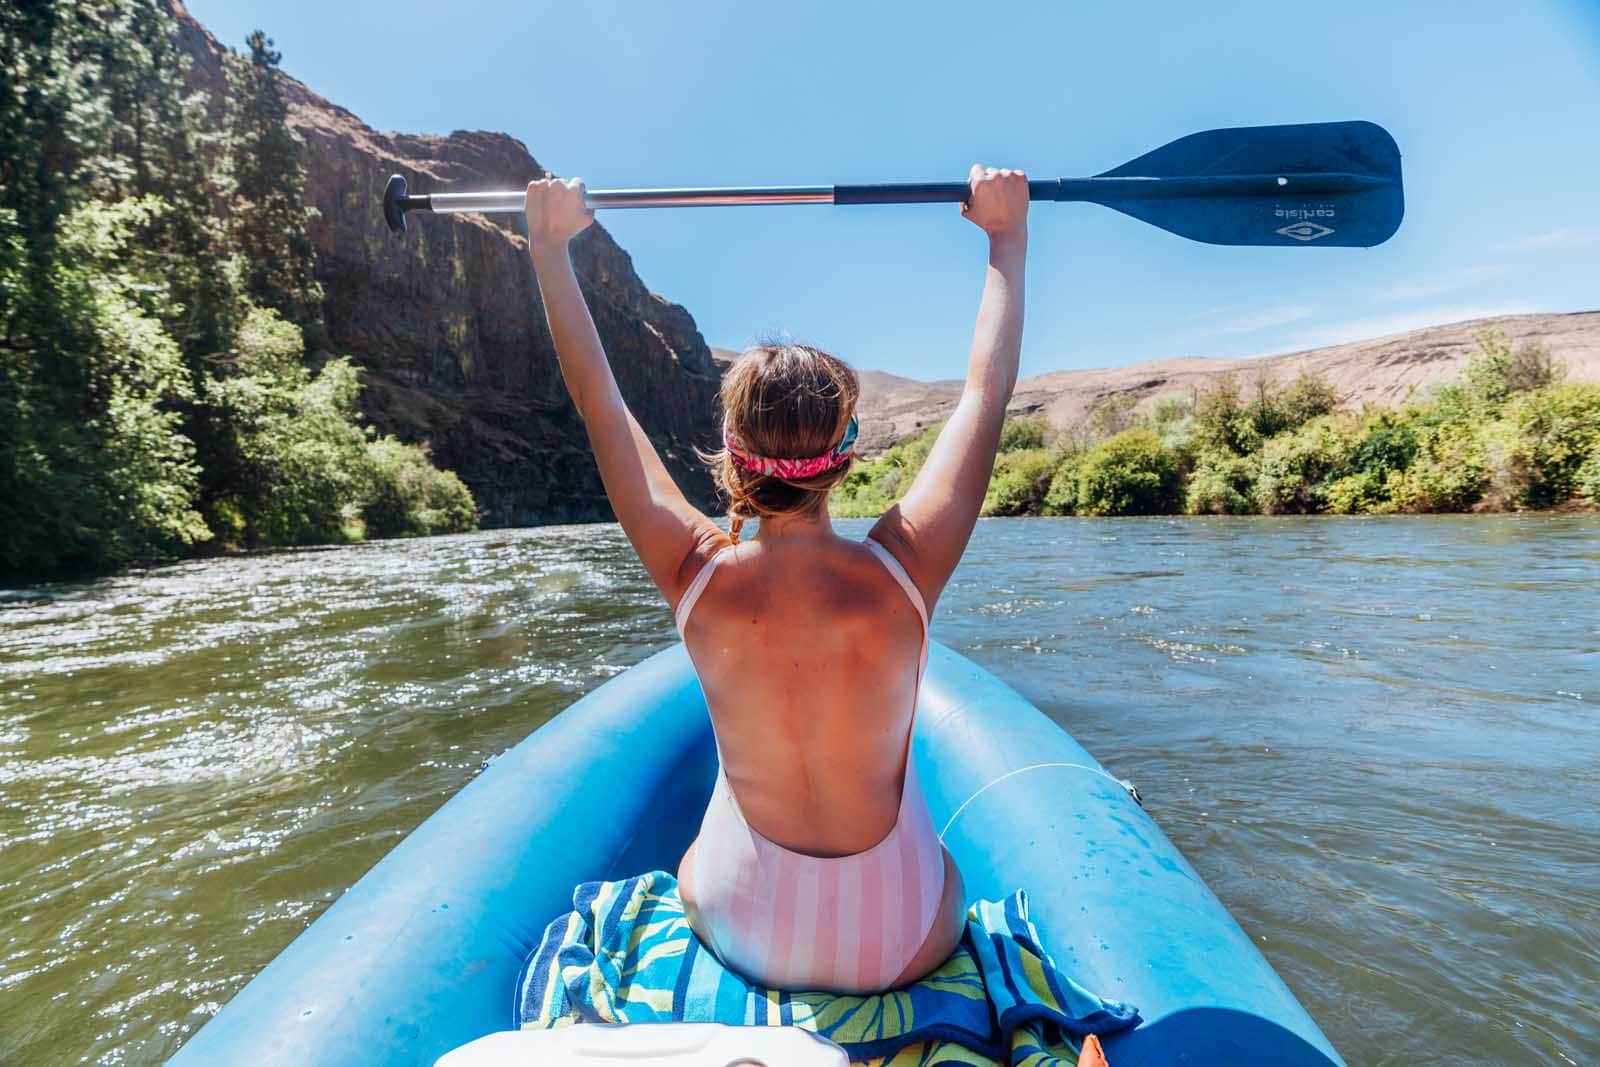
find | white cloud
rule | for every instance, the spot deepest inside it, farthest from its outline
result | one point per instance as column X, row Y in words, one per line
column 1369, row 327
column 1260, row 320
column 1562, row 238
column 1438, row 283
column 1217, row 312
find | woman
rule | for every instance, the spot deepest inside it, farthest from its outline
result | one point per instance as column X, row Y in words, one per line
column 817, row 865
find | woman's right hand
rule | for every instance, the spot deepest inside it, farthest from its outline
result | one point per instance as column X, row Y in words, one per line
column 556, row 212
column 998, row 203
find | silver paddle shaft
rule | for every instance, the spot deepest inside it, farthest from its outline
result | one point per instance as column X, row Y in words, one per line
column 452, row 203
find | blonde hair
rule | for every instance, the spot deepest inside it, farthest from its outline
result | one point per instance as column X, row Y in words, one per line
column 785, row 401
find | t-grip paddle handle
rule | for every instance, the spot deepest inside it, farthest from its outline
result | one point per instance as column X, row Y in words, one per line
column 397, row 200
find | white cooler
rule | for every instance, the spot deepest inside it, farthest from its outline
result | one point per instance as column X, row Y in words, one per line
column 663, row 1044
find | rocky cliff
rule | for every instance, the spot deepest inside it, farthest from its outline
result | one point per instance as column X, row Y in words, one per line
column 1383, row 370
column 449, row 327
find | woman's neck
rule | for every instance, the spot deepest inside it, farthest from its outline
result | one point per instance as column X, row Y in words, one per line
column 794, row 529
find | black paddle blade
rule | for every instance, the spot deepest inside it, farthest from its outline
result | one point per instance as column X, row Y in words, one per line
column 1320, row 183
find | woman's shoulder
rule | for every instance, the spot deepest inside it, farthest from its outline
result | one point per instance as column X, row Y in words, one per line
column 845, row 572
column 710, row 547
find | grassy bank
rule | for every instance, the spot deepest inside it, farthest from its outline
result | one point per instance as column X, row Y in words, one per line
column 1509, row 434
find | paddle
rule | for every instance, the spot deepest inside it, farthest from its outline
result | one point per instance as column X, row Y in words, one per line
column 1322, row 183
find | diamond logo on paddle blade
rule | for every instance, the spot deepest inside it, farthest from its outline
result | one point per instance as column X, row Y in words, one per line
column 1305, row 231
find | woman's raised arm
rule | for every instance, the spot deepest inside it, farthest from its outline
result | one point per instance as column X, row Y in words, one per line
column 929, row 528
column 669, row 533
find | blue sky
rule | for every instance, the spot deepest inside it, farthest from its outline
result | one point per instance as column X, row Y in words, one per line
column 1496, row 108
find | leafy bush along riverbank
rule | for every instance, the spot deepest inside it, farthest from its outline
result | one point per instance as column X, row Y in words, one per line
column 1508, row 434
column 158, row 298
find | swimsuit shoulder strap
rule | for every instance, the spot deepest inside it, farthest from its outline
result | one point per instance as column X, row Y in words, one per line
column 697, row 586
column 897, row 571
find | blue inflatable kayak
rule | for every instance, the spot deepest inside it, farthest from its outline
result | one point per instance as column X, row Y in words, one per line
column 421, row 955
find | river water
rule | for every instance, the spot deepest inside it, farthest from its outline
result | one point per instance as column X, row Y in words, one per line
column 1375, row 738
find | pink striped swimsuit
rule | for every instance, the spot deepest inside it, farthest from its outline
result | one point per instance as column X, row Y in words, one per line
column 792, row 921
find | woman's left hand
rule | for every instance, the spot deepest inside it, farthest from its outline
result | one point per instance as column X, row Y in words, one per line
column 556, row 212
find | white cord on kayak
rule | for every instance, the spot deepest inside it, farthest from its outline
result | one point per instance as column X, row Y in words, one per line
column 1124, row 783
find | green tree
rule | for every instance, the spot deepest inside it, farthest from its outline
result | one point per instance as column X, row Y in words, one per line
column 1482, row 387
column 1274, row 408
column 1128, row 474
column 408, row 496
column 1172, row 419
column 1023, row 431
column 1219, row 484
column 1386, row 442
column 297, row 451
column 1449, row 472
column 1061, row 495
column 1549, row 434
column 1383, row 444
column 1588, row 479
column 96, row 472
column 1020, row 482
column 1308, row 397
column 93, row 106
column 93, row 109
column 305, row 469
column 269, row 216
column 1531, row 367
column 1293, row 469
column 1222, row 422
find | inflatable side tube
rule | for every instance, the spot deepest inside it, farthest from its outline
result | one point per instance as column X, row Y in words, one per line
column 1021, row 805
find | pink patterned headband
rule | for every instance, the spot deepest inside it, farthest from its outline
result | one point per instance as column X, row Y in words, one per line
column 791, row 469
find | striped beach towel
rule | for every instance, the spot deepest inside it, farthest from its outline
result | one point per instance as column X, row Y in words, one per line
column 625, row 954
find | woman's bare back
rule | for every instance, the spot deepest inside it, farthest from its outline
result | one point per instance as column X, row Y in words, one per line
column 808, row 653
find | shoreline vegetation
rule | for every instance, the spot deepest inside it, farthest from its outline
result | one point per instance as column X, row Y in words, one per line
column 164, row 389
column 1509, row 434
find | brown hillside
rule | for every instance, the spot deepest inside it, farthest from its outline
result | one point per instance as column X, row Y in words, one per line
column 1383, row 370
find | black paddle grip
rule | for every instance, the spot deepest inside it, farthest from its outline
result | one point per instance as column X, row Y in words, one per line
column 901, row 193
column 927, row 192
